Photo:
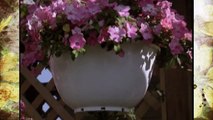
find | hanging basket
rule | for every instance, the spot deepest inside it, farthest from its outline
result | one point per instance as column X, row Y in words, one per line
column 103, row 81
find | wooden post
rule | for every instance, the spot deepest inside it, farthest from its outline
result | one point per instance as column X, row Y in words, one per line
column 162, row 85
column 177, row 85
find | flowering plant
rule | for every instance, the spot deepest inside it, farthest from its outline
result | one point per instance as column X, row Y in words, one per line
column 52, row 27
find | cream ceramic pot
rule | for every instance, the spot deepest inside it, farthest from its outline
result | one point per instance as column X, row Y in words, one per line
column 101, row 80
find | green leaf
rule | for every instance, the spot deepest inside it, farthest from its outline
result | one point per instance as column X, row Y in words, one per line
column 72, row 56
column 82, row 50
column 96, row 26
column 117, row 48
column 75, row 53
column 66, row 28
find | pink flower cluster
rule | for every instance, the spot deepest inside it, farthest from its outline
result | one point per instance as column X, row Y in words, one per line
column 176, row 24
column 78, row 23
column 79, row 12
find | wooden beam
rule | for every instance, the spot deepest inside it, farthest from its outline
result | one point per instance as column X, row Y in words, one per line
column 51, row 115
column 24, row 86
column 141, row 110
column 152, row 101
column 30, row 110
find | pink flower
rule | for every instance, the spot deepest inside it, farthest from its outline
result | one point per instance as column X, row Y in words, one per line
column 76, row 13
column 32, row 8
column 179, row 30
column 31, row 46
column 93, row 8
column 34, row 34
column 22, row 108
column 150, row 9
column 131, row 30
column 146, row 32
column 105, row 3
column 39, row 16
column 39, row 55
column 101, row 23
column 77, row 41
column 31, row 57
column 92, row 0
column 175, row 47
column 166, row 23
column 77, row 30
column 122, row 10
column 145, row 2
column 116, row 33
column 189, row 52
column 33, row 22
column 32, row 53
column 58, row 6
column 103, row 35
column 157, row 29
column 164, row 4
column 45, row 14
column 188, row 36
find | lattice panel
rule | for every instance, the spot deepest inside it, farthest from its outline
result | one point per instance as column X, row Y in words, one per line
column 42, row 94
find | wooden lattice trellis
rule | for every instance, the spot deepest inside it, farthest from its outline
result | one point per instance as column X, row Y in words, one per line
column 34, row 94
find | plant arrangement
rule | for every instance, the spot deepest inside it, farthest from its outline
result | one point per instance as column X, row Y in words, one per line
column 54, row 27
column 203, row 65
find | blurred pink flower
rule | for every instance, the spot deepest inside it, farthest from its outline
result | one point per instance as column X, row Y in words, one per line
column 164, row 4
column 122, row 10
column 189, row 52
column 179, row 30
column 145, row 2
column 77, row 41
column 103, row 35
column 116, row 33
column 93, row 8
column 33, row 22
column 166, row 23
column 58, row 6
column 45, row 14
column 76, row 30
column 78, row 13
column 188, row 36
column 150, row 9
column 131, row 30
column 157, row 29
column 146, row 32
column 175, row 47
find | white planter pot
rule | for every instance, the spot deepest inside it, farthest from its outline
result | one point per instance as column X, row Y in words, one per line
column 101, row 80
